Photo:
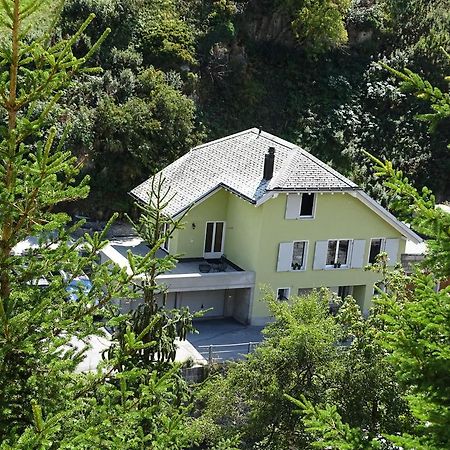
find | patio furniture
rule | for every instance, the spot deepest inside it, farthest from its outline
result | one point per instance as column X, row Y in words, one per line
column 219, row 265
column 204, row 267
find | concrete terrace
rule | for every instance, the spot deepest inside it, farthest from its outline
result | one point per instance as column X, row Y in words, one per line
column 184, row 266
column 186, row 276
column 230, row 340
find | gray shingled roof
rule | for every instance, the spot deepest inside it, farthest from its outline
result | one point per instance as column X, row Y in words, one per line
column 236, row 163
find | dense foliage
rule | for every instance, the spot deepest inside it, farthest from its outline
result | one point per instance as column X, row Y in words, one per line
column 179, row 72
column 48, row 316
column 415, row 323
column 414, row 332
column 300, row 357
column 174, row 72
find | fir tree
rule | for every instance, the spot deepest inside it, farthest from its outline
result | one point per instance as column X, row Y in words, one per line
column 44, row 402
column 158, row 325
column 413, row 315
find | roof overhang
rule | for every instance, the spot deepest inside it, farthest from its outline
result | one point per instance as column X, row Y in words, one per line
column 208, row 194
column 388, row 217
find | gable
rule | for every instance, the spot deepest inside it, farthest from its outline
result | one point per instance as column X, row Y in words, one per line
column 337, row 215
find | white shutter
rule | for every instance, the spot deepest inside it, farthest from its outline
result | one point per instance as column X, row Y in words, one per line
column 358, row 252
column 320, row 255
column 285, row 256
column 293, row 206
column 391, row 249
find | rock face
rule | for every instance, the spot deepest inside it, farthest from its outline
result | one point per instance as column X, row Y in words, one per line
column 357, row 36
column 275, row 28
column 264, row 23
column 270, row 21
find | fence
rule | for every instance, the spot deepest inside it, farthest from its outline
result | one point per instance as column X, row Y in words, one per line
column 226, row 352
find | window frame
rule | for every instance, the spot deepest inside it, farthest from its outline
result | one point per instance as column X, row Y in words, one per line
column 288, row 289
column 313, row 212
column 212, row 254
column 347, row 261
column 305, row 256
column 382, row 248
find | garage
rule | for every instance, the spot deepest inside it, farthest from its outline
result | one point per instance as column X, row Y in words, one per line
column 202, row 300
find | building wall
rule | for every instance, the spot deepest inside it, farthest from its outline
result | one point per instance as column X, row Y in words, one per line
column 243, row 233
column 190, row 241
column 337, row 216
column 253, row 235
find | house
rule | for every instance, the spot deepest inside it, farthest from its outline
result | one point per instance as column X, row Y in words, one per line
column 415, row 253
column 277, row 216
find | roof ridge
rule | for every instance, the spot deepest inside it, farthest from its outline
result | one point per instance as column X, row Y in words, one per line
column 231, row 136
column 237, row 166
column 277, row 139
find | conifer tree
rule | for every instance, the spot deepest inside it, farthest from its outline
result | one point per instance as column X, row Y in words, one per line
column 156, row 228
column 44, row 319
column 415, row 319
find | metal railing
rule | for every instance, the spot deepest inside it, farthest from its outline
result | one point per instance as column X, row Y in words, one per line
column 226, row 352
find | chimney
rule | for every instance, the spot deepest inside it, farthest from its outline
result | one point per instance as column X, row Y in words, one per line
column 269, row 159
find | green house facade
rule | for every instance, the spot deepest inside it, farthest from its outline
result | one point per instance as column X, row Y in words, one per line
column 263, row 212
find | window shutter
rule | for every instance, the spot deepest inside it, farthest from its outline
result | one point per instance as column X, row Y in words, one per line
column 320, row 255
column 391, row 249
column 285, row 256
column 293, row 206
column 359, row 249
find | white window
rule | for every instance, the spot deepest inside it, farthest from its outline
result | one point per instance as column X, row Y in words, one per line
column 338, row 253
column 307, row 205
column 300, row 206
column 292, row 256
column 376, row 247
column 299, row 255
column 283, row 293
column 214, row 239
column 345, row 253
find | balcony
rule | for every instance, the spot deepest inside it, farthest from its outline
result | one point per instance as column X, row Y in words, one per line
column 193, row 274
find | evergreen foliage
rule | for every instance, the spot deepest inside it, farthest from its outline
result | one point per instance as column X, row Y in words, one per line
column 157, row 326
column 46, row 323
column 301, row 356
column 415, row 319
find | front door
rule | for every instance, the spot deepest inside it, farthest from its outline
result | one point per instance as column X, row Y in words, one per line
column 214, row 238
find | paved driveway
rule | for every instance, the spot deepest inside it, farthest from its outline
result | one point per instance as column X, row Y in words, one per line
column 217, row 332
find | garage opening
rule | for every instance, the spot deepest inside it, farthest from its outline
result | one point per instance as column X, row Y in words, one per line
column 221, row 303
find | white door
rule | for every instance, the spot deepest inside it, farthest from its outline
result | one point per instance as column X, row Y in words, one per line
column 214, row 238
